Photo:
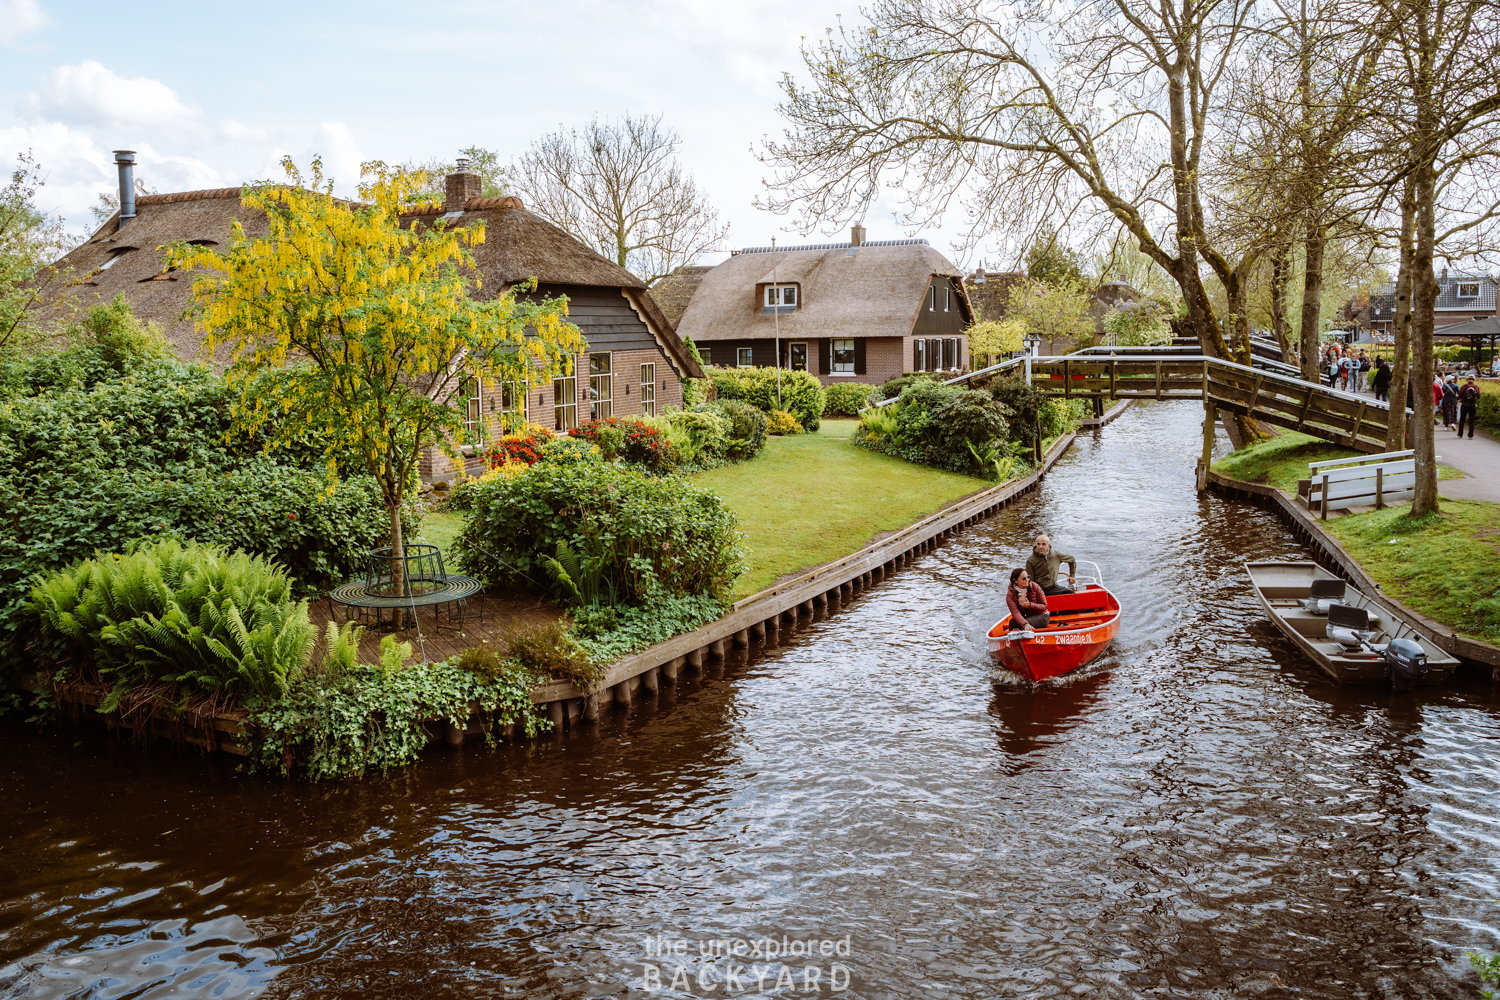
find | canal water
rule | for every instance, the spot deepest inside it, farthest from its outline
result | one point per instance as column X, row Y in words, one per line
column 1200, row 815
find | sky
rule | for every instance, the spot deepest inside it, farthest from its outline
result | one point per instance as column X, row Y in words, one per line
column 212, row 95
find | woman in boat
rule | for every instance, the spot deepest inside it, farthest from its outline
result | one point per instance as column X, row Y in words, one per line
column 1026, row 601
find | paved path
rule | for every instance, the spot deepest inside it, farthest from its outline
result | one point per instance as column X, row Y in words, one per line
column 1478, row 458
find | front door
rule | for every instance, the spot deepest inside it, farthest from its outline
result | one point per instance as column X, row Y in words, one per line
column 798, row 353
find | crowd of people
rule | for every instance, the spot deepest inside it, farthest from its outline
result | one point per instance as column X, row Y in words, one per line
column 1352, row 371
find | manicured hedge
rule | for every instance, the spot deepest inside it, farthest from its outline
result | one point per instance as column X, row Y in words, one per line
column 619, row 535
column 801, row 394
column 846, row 399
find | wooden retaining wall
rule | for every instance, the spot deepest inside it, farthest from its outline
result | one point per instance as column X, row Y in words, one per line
column 1330, row 554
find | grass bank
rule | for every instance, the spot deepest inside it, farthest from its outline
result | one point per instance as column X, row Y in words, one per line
column 1443, row 565
column 812, row 498
column 1447, row 566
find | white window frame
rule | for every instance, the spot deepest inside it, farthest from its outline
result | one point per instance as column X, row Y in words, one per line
column 947, row 297
column 919, row 344
column 776, row 297
column 471, row 391
column 932, row 298
column 833, row 349
column 1468, row 295
column 520, row 402
column 601, row 386
column 744, row 357
column 648, row 389
column 565, row 403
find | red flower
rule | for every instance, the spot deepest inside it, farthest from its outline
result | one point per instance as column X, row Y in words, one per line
column 292, row 516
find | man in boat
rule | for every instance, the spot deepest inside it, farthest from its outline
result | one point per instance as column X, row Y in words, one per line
column 1043, row 565
column 1027, row 603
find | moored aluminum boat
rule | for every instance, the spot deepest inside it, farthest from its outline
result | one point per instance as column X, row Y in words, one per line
column 1082, row 625
column 1344, row 631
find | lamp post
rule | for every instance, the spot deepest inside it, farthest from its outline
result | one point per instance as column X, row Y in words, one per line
column 1033, row 344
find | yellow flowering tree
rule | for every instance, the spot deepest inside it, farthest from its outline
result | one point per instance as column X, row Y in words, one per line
column 991, row 340
column 350, row 329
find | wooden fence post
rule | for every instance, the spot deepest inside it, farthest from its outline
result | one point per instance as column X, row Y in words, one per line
column 1210, row 415
column 1379, row 487
column 1323, row 502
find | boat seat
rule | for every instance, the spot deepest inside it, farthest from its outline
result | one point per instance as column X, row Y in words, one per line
column 1348, row 626
column 1324, row 593
column 1087, row 621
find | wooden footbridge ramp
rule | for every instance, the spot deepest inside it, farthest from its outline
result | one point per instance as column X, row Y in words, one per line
column 1266, row 394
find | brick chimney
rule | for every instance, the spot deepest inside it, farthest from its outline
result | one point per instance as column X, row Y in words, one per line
column 461, row 186
column 857, row 234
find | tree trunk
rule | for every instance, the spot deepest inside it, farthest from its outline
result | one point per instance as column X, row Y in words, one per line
column 1395, row 437
column 398, row 547
column 1312, row 296
column 1424, row 295
column 1281, row 276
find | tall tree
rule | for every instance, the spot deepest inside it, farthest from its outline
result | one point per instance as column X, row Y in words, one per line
column 619, row 188
column 1016, row 110
column 353, row 329
column 30, row 243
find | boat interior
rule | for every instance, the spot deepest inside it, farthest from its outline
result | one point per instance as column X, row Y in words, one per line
column 1088, row 607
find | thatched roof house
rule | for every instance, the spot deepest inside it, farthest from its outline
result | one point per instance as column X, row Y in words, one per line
column 864, row 311
column 676, row 290
column 635, row 361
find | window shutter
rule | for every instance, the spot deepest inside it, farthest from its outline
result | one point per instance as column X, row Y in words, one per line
column 824, row 361
column 859, row 355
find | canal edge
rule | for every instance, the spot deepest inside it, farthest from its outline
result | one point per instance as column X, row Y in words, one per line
column 1337, row 559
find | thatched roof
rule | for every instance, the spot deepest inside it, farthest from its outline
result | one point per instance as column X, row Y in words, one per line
column 518, row 245
column 874, row 290
column 676, row 290
column 990, row 291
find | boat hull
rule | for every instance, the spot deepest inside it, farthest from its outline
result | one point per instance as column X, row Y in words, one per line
column 1084, row 624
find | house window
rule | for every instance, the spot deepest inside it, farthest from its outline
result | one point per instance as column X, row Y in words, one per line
column 931, row 298
column 950, row 352
column 744, row 357
column 512, row 403
column 841, row 357
column 919, row 355
column 781, row 298
column 472, row 395
column 601, row 388
column 565, row 403
column 947, row 295
column 1469, row 290
column 648, row 390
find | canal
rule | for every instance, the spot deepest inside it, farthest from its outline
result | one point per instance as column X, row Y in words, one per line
column 1199, row 815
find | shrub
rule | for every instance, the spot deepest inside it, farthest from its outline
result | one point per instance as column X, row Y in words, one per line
column 846, row 399
column 569, row 450
column 801, row 394
column 1488, row 415
column 608, row 633
column 896, row 386
column 525, row 445
column 699, row 436
column 461, row 496
column 189, row 615
column 631, row 532
column 551, row 651
column 1024, row 402
column 943, row 426
column 782, row 422
column 632, row 439
column 746, row 430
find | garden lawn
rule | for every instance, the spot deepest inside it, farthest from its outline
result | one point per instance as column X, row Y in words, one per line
column 813, row 498
column 1283, row 460
column 440, row 528
column 1447, row 566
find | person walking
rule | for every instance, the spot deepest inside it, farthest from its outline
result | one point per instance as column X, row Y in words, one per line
column 1450, row 400
column 1363, row 377
column 1382, row 380
column 1468, row 407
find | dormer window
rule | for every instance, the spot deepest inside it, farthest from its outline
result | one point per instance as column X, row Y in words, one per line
column 781, row 298
column 1468, row 290
column 115, row 255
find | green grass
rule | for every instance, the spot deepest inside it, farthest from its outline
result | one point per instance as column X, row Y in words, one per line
column 1447, row 566
column 837, row 427
column 812, row 498
column 440, row 529
column 1283, row 460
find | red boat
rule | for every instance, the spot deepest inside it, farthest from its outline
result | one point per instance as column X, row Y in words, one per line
column 1082, row 625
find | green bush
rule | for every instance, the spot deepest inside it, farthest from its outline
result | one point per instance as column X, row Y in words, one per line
column 846, row 399
column 801, row 394
column 1026, row 405
column 550, row 650
column 1488, row 415
column 745, row 431
column 944, row 426
column 188, row 615
column 896, row 386
column 616, row 535
column 699, row 436
column 608, row 633
column 570, row 451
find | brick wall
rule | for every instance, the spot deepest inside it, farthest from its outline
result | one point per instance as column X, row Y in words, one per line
column 625, row 372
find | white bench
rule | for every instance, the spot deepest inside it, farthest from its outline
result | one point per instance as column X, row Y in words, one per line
column 1351, row 482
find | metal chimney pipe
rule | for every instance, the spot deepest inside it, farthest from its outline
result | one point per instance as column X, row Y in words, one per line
column 125, row 161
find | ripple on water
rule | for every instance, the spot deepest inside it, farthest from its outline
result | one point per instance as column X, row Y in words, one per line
column 1198, row 813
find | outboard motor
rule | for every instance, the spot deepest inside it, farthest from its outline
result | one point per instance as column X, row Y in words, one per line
column 1405, row 664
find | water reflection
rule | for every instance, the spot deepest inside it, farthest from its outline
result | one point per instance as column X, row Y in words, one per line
column 1200, row 815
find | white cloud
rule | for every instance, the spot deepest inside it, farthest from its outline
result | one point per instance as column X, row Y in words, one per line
column 17, row 17
column 91, row 93
column 240, row 132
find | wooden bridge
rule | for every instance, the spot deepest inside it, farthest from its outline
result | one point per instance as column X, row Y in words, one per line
column 1262, row 393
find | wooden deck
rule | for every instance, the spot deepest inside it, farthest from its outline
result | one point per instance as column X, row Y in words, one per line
column 490, row 615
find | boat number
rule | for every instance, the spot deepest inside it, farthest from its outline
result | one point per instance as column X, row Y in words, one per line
column 1074, row 640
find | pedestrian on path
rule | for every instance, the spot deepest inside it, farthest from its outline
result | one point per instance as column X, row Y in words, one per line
column 1468, row 407
column 1382, row 380
column 1450, row 400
